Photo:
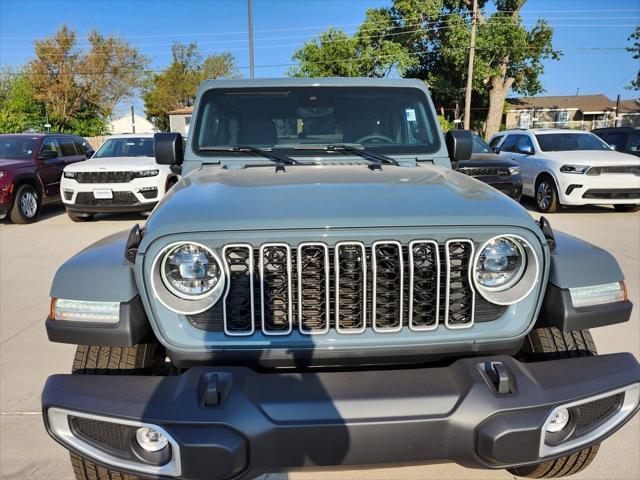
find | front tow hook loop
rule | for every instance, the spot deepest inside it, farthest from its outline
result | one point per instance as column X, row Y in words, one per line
column 498, row 376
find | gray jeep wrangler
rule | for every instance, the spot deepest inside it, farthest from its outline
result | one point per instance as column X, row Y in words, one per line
column 321, row 289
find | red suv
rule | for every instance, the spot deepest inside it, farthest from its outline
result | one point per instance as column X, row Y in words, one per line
column 30, row 170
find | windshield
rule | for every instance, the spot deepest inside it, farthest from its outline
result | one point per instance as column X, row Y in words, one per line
column 480, row 146
column 126, row 147
column 17, row 148
column 563, row 142
column 397, row 120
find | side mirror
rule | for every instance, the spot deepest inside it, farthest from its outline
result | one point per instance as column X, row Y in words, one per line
column 89, row 153
column 459, row 145
column 526, row 150
column 613, row 147
column 48, row 155
column 168, row 148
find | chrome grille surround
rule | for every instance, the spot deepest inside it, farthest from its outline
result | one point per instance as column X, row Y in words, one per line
column 276, row 289
column 363, row 286
column 301, row 288
column 374, row 286
column 412, row 279
column 456, row 272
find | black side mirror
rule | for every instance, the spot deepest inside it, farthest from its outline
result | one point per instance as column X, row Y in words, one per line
column 459, row 145
column 48, row 155
column 89, row 153
column 168, row 148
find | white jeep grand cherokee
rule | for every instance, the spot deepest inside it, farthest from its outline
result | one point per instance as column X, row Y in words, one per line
column 567, row 167
column 122, row 176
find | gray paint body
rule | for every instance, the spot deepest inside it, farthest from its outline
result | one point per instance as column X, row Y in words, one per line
column 421, row 199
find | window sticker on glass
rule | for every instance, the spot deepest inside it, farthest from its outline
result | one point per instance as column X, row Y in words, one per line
column 411, row 115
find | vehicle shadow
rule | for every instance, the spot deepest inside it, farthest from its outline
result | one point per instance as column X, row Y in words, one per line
column 530, row 205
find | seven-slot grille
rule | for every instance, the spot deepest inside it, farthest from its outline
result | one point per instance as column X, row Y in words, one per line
column 349, row 287
column 614, row 169
column 104, row 177
column 485, row 171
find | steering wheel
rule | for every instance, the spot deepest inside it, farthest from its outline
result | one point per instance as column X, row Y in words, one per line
column 375, row 138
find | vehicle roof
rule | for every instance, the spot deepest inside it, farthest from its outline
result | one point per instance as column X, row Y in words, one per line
column 130, row 135
column 616, row 129
column 314, row 82
column 540, row 130
column 41, row 135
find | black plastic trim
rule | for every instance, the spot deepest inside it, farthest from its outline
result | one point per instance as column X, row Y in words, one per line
column 279, row 421
column 137, row 207
column 132, row 327
column 558, row 311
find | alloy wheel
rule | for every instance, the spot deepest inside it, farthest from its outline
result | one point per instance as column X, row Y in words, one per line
column 543, row 195
column 29, row 204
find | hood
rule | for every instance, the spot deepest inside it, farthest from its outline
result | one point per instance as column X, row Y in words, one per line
column 114, row 164
column 258, row 198
column 8, row 164
column 487, row 160
column 592, row 157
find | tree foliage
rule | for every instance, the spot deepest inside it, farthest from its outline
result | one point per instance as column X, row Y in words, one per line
column 429, row 39
column 19, row 111
column 635, row 50
column 176, row 86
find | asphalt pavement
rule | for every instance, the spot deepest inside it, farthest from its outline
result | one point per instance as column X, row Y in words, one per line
column 30, row 255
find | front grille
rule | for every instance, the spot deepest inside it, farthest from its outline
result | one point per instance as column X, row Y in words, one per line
column 614, row 170
column 104, row 177
column 590, row 415
column 119, row 198
column 485, row 171
column 612, row 194
column 349, row 287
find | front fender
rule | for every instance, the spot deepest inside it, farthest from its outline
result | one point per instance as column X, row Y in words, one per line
column 576, row 263
column 100, row 272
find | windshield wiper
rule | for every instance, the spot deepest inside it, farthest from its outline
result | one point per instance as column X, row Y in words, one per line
column 276, row 158
column 377, row 159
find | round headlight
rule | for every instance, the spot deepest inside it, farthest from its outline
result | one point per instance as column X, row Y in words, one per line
column 500, row 264
column 190, row 271
column 505, row 269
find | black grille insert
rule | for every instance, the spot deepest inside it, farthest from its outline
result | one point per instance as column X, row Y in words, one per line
column 313, row 287
column 115, row 436
column 104, row 177
column 237, row 301
column 119, row 198
column 351, row 287
column 275, row 275
column 424, row 296
column 460, row 296
column 388, row 282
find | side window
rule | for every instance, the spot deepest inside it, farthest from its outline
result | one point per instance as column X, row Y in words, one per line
column 617, row 139
column 68, row 148
column 634, row 143
column 495, row 141
column 79, row 147
column 509, row 144
column 51, row 144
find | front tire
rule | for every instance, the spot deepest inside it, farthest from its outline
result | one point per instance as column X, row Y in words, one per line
column 92, row 360
column 551, row 344
column 627, row 208
column 547, row 195
column 26, row 205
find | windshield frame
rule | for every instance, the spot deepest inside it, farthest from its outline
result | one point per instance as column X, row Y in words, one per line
column 115, row 139
column 569, row 132
column 405, row 149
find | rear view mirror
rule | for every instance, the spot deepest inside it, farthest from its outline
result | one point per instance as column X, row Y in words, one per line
column 168, row 148
column 459, row 145
column 48, row 155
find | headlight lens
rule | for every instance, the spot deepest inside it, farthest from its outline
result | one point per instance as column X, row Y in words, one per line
column 70, row 174
column 146, row 173
column 190, row 271
column 85, row 311
column 514, row 170
column 500, row 264
column 578, row 169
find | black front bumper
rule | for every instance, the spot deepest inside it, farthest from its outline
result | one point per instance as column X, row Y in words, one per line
column 110, row 208
column 277, row 421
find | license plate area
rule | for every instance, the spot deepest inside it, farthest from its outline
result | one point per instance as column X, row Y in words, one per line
column 102, row 194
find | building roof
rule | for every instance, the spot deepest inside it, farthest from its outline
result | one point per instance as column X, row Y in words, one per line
column 630, row 106
column 181, row 111
column 584, row 103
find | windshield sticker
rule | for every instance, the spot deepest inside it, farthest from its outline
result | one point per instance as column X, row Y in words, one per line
column 411, row 115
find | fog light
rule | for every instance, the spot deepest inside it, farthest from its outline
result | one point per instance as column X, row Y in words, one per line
column 558, row 421
column 150, row 439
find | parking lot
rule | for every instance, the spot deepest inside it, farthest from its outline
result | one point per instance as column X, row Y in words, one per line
column 30, row 255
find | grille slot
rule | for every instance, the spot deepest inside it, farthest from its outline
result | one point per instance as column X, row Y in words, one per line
column 104, row 177
column 238, row 308
column 460, row 296
column 424, row 288
column 313, row 288
column 113, row 435
column 485, row 171
column 275, row 289
column 614, row 170
column 592, row 414
column 351, row 287
column 119, row 198
column 387, row 286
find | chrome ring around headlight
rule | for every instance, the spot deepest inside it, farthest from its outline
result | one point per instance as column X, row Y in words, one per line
column 522, row 285
column 177, row 301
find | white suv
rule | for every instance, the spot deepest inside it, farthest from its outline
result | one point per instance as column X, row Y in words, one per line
column 567, row 167
column 122, row 176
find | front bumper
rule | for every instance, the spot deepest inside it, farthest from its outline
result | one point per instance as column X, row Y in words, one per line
column 599, row 190
column 261, row 422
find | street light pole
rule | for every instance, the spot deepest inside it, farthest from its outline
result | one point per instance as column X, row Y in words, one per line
column 250, row 21
column 472, row 52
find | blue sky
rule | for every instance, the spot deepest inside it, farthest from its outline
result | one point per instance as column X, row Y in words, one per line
column 281, row 26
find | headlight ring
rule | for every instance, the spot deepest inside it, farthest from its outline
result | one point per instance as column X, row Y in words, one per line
column 514, row 265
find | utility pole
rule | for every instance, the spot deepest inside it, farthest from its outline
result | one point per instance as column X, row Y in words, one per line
column 616, row 120
column 472, row 53
column 250, row 20
column 133, row 120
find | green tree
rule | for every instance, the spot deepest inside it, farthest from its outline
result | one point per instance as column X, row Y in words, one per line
column 19, row 111
column 177, row 85
column 635, row 50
